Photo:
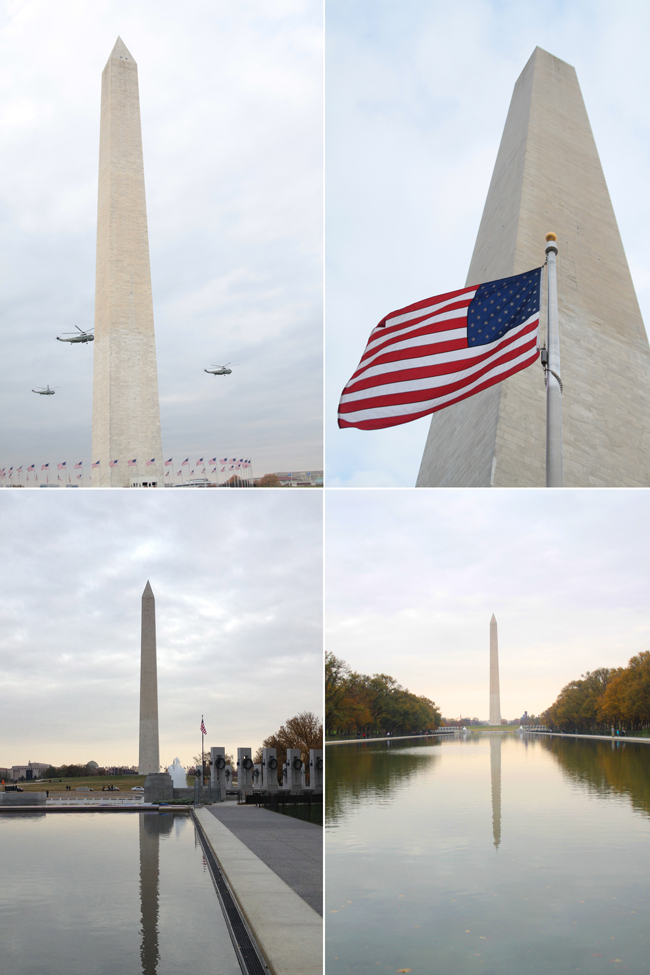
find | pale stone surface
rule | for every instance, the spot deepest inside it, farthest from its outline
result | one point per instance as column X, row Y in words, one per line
column 149, row 761
column 548, row 177
column 288, row 931
column 126, row 411
column 495, row 694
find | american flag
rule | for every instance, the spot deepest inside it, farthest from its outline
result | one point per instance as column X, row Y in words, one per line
column 95, row 463
column 131, row 463
column 213, row 460
column 203, row 731
column 60, row 467
column 168, row 462
column 112, row 463
column 424, row 357
column 77, row 467
column 32, row 467
column 166, row 473
column 199, row 461
column 224, row 460
column 150, row 462
column 45, row 467
column 186, row 461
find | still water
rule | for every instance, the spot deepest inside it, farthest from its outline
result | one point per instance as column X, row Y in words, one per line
column 489, row 854
column 100, row 893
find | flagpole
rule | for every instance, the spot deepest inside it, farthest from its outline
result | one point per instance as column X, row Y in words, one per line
column 202, row 758
column 554, row 459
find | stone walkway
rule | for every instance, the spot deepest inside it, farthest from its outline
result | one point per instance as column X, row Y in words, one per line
column 290, row 847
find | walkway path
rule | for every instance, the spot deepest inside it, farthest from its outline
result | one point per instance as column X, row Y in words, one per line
column 291, row 847
column 266, row 858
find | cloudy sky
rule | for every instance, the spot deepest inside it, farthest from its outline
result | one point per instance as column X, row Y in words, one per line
column 413, row 578
column 231, row 107
column 238, row 590
column 417, row 95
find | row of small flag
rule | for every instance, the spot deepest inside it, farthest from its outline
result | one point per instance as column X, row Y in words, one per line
column 234, row 465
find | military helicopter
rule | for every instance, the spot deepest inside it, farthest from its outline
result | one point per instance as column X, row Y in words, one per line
column 44, row 392
column 82, row 337
column 219, row 370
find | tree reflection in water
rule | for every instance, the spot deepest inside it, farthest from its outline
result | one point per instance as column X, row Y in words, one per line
column 377, row 772
column 603, row 767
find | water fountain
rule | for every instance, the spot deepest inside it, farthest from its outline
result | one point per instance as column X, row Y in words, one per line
column 178, row 774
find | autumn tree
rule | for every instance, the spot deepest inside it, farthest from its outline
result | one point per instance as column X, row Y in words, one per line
column 304, row 731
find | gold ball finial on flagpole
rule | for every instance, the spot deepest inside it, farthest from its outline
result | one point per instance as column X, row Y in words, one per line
column 551, row 236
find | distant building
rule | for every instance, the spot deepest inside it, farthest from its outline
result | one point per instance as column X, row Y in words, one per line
column 33, row 770
column 300, row 478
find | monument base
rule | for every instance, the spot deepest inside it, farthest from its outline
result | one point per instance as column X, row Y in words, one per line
column 158, row 787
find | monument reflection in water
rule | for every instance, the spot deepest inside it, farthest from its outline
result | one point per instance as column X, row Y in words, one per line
column 495, row 854
column 107, row 893
column 151, row 829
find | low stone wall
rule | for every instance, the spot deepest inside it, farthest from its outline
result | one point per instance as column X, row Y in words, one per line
column 23, row 798
column 206, row 794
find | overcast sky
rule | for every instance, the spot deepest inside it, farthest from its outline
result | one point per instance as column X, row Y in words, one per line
column 413, row 578
column 238, row 589
column 231, row 108
column 416, row 100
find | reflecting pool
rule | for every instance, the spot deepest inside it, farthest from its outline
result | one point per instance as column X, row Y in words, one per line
column 488, row 854
column 99, row 893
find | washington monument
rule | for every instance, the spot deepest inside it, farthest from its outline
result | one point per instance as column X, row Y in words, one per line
column 149, row 760
column 495, row 694
column 548, row 177
column 126, row 411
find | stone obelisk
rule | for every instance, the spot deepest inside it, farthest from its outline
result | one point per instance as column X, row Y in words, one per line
column 126, row 410
column 548, row 177
column 157, row 785
column 495, row 695
column 149, row 760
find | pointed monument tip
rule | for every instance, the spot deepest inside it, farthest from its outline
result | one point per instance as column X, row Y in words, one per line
column 148, row 591
column 121, row 51
column 493, row 618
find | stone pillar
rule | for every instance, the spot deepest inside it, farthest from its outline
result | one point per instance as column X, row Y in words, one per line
column 149, row 760
column 269, row 770
column 316, row 769
column 244, row 771
column 495, row 693
column 548, row 177
column 218, row 768
column 292, row 771
column 126, row 411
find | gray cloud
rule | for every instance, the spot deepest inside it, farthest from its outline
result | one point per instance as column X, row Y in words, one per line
column 238, row 590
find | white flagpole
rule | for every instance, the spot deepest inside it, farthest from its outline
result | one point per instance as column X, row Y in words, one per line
column 554, row 459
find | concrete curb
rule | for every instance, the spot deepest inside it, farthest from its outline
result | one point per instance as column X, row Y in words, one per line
column 288, row 931
column 571, row 734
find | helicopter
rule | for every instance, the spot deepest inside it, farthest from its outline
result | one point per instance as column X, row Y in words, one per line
column 219, row 370
column 44, row 392
column 82, row 337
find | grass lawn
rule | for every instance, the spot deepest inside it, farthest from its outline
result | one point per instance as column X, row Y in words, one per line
column 124, row 783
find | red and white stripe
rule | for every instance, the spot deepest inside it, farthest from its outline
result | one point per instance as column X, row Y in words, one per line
column 417, row 362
